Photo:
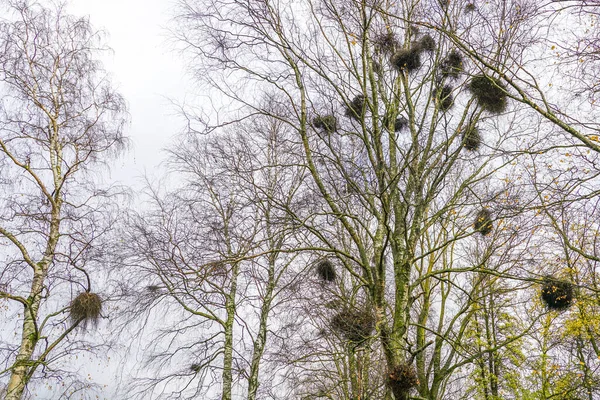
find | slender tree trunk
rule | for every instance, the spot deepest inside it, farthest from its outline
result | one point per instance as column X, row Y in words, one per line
column 261, row 339
column 228, row 346
column 23, row 367
column 420, row 333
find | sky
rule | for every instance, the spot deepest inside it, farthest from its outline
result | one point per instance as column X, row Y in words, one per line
column 146, row 72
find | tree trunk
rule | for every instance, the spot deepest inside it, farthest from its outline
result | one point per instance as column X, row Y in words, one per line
column 261, row 339
column 23, row 367
column 29, row 338
column 228, row 346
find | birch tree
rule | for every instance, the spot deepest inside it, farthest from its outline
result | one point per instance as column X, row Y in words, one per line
column 59, row 119
column 212, row 254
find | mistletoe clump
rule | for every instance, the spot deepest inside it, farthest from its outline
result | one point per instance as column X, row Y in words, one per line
column 471, row 138
column 326, row 271
column 401, row 379
column 483, row 222
column 427, row 43
column 445, row 97
column 399, row 124
column 490, row 93
column 195, row 367
column 470, row 7
column 385, row 42
column 452, row 65
column 356, row 107
column 355, row 325
column 558, row 295
column 407, row 59
column 86, row 307
column 325, row 123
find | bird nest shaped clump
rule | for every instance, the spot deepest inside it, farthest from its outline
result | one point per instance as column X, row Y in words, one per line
column 470, row 7
column 427, row 43
column 445, row 98
column 471, row 138
column 489, row 92
column 399, row 124
column 557, row 294
column 326, row 270
column 452, row 65
column 401, row 379
column 356, row 108
column 86, row 307
column 483, row 222
column 355, row 325
column 195, row 367
column 325, row 123
column 407, row 59
column 153, row 288
column 385, row 42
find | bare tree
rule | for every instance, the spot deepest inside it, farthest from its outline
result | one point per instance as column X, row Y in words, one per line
column 212, row 254
column 59, row 118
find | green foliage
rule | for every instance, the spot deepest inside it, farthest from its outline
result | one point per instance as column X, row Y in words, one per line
column 585, row 323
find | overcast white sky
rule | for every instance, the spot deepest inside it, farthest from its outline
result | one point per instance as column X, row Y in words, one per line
column 146, row 73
